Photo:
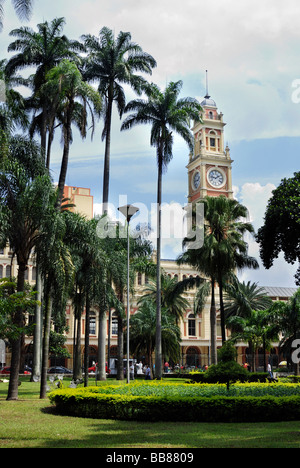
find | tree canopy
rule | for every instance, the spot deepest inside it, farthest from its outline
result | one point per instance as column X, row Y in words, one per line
column 281, row 229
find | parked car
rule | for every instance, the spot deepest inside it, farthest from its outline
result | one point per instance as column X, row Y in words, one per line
column 6, row 371
column 93, row 368
column 59, row 370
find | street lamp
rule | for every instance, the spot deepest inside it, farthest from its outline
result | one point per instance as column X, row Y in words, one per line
column 128, row 211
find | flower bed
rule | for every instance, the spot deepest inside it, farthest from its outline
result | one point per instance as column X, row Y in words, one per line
column 156, row 401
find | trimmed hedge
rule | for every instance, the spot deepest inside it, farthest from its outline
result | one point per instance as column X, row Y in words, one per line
column 203, row 377
column 85, row 402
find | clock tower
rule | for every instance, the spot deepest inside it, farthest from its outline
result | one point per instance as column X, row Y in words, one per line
column 209, row 168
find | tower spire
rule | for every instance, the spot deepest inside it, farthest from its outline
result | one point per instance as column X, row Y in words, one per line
column 207, row 95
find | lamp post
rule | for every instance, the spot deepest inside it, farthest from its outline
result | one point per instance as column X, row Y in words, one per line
column 128, row 211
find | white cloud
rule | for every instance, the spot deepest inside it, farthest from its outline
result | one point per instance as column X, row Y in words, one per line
column 255, row 197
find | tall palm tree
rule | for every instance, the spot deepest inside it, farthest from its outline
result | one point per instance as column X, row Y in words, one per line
column 74, row 98
column 113, row 63
column 223, row 250
column 167, row 114
column 226, row 228
column 23, row 9
column 56, row 267
column 42, row 49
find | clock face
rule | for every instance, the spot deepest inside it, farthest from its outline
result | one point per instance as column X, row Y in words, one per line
column 216, row 178
column 196, row 180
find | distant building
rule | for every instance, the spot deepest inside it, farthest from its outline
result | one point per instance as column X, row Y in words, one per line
column 81, row 198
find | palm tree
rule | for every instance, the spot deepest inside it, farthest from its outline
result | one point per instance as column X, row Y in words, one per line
column 226, row 229
column 223, row 251
column 288, row 319
column 44, row 50
column 23, row 9
column 243, row 304
column 143, row 332
column 166, row 114
column 255, row 329
column 56, row 267
column 241, row 298
column 67, row 87
column 113, row 62
column 24, row 196
column 171, row 297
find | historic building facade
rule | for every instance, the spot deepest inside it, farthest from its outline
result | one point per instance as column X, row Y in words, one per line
column 208, row 173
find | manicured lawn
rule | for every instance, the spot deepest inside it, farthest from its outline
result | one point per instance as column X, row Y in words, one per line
column 31, row 423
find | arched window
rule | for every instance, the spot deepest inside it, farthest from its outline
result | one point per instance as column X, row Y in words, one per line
column 8, row 271
column 92, row 323
column 114, row 323
column 1, row 271
column 191, row 325
column 210, row 115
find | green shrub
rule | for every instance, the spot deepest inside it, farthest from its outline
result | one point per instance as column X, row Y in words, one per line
column 177, row 403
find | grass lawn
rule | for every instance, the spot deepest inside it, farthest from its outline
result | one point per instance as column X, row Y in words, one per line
column 31, row 423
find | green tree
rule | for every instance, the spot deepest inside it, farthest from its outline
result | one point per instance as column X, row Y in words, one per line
column 288, row 320
column 281, row 229
column 42, row 49
column 56, row 267
column 143, row 332
column 172, row 298
column 23, row 9
column 113, row 63
column 255, row 329
column 74, row 98
column 241, row 298
column 24, row 196
column 167, row 114
column 223, row 250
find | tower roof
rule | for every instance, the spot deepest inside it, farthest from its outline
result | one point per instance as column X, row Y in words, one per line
column 208, row 102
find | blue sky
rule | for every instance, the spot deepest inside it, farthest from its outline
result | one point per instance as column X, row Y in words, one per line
column 251, row 52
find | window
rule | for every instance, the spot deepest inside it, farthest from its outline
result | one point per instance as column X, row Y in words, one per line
column 34, row 274
column 114, row 324
column 139, row 279
column 1, row 271
column 8, row 271
column 210, row 115
column 212, row 142
column 192, row 325
column 92, row 324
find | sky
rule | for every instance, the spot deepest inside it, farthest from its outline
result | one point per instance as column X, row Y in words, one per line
column 251, row 51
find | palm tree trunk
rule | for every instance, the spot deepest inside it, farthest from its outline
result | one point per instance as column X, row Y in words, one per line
column 77, row 372
column 158, row 347
column 65, row 158
column 107, row 154
column 120, row 367
column 101, row 345
column 222, row 312
column 36, row 368
column 86, row 341
column 213, row 334
column 16, row 344
column 46, row 341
